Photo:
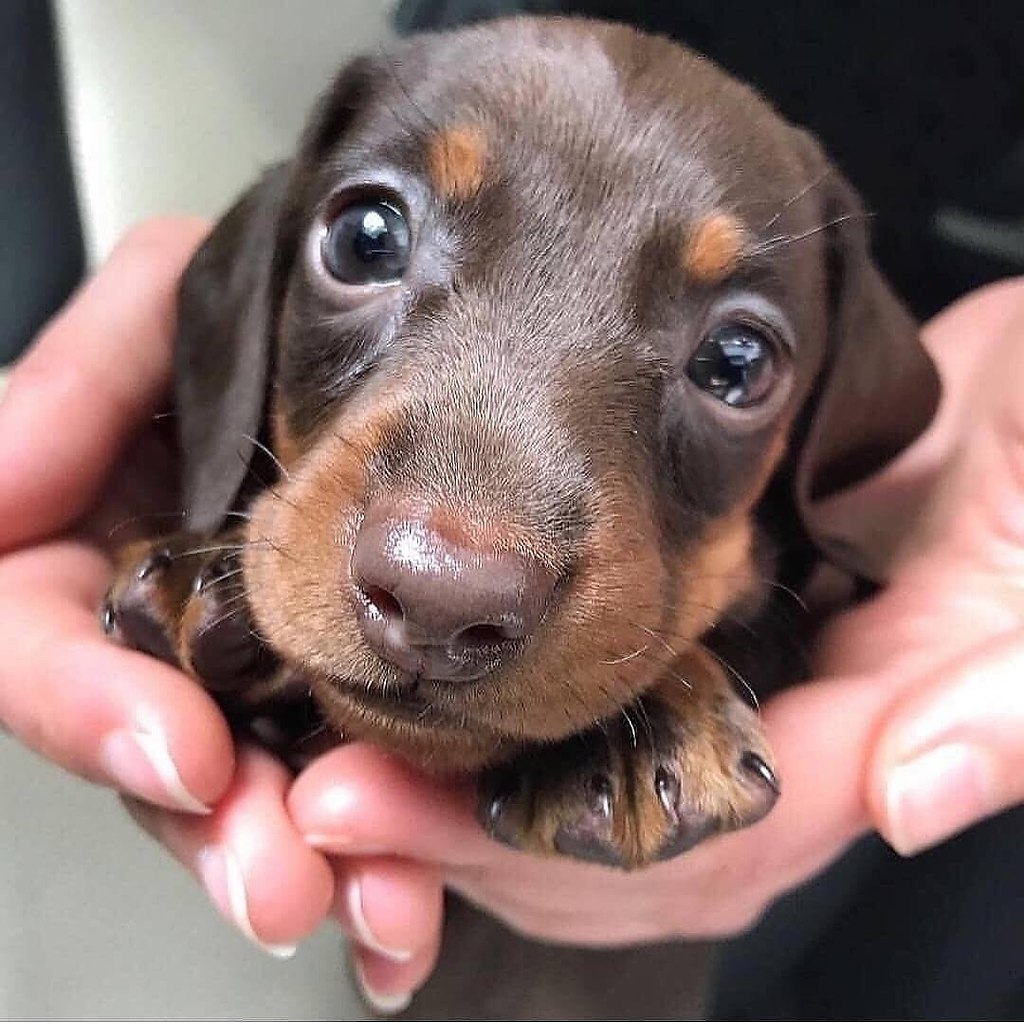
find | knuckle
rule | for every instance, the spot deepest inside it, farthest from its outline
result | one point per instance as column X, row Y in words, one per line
column 154, row 238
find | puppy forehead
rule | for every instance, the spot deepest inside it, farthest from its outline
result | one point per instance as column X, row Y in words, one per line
column 583, row 113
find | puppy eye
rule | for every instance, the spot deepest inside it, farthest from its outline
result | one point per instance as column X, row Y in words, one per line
column 737, row 363
column 367, row 243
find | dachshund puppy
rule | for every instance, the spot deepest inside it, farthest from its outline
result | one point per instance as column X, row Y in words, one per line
column 505, row 410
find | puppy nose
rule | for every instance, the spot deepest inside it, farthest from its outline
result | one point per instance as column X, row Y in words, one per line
column 441, row 608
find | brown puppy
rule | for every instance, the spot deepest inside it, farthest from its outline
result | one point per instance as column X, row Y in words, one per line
column 505, row 407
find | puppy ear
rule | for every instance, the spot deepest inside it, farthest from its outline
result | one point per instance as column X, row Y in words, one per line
column 228, row 311
column 878, row 388
column 222, row 352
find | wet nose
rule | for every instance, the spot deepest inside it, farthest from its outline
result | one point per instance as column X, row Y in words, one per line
column 442, row 608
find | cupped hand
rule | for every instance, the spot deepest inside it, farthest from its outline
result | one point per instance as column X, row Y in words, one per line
column 915, row 726
column 84, row 464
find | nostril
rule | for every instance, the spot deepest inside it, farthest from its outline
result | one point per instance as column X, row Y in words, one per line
column 383, row 603
column 482, row 635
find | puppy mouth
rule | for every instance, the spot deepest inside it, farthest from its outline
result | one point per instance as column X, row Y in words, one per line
column 409, row 703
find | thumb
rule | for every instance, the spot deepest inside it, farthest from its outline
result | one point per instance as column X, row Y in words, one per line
column 93, row 376
column 949, row 753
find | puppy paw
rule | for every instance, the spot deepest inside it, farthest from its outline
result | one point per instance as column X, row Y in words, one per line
column 182, row 599
column 676, row 767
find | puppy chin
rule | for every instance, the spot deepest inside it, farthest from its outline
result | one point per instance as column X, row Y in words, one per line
column 424, row 732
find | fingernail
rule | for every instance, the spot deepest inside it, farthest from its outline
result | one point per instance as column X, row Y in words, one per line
column 384, row 1004
column 361, row 927
column 222, row 876
column 342, row 844
column 132, row 757
column 336, row 806
column 938, row 794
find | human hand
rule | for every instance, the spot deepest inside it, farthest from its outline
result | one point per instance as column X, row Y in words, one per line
column 82, row 456
column 913, row 728
column 99, row 372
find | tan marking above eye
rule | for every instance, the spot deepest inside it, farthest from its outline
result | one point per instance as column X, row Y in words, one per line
column 285, row 445
column 713, row 248
column 457, row 159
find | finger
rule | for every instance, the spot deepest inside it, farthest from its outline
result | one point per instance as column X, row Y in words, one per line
column 111, row 715
column 392, row 910
column 965, row 340
column 357, row 799
column 950, row 753
column 93, row 376
column 255, row 867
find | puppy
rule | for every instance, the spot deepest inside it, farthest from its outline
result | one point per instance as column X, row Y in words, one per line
column 505, row 409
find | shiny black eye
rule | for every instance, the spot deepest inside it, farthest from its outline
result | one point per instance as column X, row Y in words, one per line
column 367, row 243
column 736, row 363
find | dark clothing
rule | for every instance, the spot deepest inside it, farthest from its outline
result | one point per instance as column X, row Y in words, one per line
column 40, row 243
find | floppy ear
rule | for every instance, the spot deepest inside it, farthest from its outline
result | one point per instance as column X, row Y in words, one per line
column 227, row 313
column 878, row 388
column 222, row 351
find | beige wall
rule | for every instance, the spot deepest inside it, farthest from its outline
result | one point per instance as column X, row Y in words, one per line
column 175, row 104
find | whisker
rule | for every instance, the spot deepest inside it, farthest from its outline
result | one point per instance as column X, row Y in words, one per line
column 737, row 676
column 781, row 241
column 348, row 441
column 131, row 520
column 261, row 639
column 392, row 66
column 238, row 607
column 764, row 580
column 796, row 198
column 280, row 550
column 641, row 707
column 657, row 636
column 626, row 657
column 210, row 549
column 673, row 673
column 624, row 711
column 263, row 483
column 321, row 727
column 225, row 576
column 266, row 451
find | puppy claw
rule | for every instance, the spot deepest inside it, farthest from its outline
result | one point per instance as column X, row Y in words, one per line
column 605, row 799
column 666, row 782
column 181, row 599
column 601, row 793
column 156, row 562
column 756, row 766
column 108, row 617
column 499, row 810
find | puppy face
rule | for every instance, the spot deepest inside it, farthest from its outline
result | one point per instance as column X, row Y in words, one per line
column 548, row 303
